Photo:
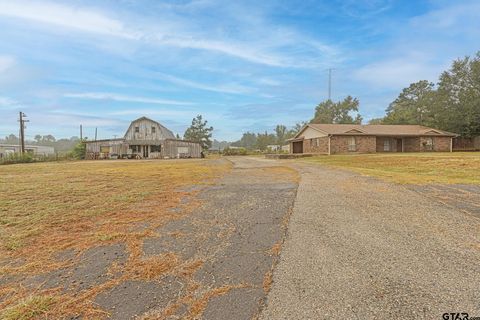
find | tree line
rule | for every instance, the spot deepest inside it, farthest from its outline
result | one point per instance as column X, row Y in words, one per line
column 59, row 145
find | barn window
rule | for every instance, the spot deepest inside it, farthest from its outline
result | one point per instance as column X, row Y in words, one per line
column 137, row 129
column 135, row 148
column 153, row 130
column 352, row 146
column 156, row 148
column 386, row 145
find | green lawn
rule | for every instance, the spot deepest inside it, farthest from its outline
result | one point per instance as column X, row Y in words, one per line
column 413, row 168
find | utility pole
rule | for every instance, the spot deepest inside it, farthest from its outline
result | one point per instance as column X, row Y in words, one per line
column 330, row 83
column 81, row 133
column 22, row 130
column 95, row 134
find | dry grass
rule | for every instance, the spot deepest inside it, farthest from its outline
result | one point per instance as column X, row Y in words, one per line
column 48, row 207
column 411, row 168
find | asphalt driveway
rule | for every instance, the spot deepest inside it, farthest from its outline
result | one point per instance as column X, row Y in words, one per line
column 360, row 248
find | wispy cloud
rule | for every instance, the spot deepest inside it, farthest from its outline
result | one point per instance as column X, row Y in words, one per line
column 396, row 73
column 153, row 112
column 175, row 32
column 6, row 62
column 6, row 102
column 124, row 98
column 77, row 17
column 224, row 88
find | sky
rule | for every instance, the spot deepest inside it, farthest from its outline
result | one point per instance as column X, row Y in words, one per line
column 244, row 65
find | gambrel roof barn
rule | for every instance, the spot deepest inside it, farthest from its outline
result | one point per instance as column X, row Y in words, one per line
column 145, row 139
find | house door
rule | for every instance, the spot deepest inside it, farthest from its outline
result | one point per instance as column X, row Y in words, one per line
column 298, row 147
column 145, row 151
column 399, row 145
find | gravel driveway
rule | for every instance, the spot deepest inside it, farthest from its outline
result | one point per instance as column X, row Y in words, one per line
column 360, row 248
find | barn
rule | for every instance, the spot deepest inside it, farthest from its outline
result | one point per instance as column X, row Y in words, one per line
column 144, row 139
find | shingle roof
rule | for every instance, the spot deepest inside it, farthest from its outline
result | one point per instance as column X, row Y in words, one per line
column 379, row 130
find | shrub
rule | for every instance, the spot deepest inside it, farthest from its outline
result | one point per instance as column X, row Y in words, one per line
column 17, row 158
column 234, row 152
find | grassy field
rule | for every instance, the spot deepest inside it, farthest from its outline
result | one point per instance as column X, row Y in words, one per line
column 46, row 208
column 414, row 168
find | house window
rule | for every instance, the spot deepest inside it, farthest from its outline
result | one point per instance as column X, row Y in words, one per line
column 137, row 129
column 386, row 145
column 153, row 130
column 352, row 146
column 429, row 143
column 156, row 148
column 315, row 142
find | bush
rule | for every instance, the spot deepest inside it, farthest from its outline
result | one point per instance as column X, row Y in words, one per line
column 79, row 151
column 234, row 152
column 17, row 158
column 29, row 158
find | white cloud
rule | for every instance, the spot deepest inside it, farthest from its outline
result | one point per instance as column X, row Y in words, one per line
column 124, row 98
column 6, row 62
column 179, row 32
column 397, row 73
column 65, row 16
column 7, row 103
column 153, row 112
column 224, row 88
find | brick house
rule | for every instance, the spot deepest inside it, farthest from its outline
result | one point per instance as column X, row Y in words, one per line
column 352, row 138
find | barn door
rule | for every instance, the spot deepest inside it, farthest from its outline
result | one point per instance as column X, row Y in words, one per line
column 145, row 151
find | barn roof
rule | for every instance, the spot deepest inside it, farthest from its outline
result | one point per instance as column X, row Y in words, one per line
column 376, row 130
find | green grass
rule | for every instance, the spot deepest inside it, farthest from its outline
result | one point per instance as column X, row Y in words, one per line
column 28, row 308
column 410, row 168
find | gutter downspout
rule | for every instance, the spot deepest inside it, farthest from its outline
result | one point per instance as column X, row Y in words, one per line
column 329, row 144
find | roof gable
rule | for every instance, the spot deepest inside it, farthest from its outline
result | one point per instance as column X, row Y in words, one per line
column 432, row 131
column 302, row 130
column 355, row 131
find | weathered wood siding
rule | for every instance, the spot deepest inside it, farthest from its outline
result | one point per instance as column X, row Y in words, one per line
column 96, row 149
column 181, row 149
column 148, row 130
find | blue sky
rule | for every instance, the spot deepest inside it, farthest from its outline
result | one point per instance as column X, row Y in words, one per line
column 243, row 65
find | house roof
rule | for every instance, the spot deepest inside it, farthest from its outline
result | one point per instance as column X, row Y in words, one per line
column 166, row 133
column 376, row 130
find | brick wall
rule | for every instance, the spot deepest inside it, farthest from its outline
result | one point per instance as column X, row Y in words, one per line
column 364, row 144
column 419, row 144
column 315, row 145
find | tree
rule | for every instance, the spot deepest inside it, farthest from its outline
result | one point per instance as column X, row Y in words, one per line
column 79, row 150
column 264, row 139
column 199, row 132
column 338, row 112
column 458, row 97
column 281, row 133
column 248, row 141
column 413, row 105
column 376, row 121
